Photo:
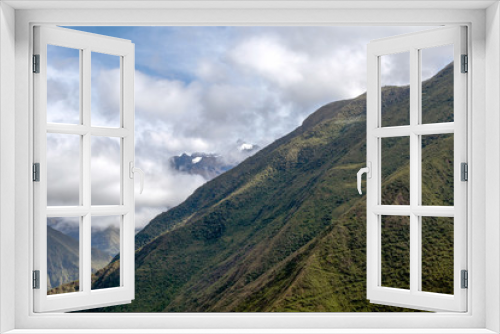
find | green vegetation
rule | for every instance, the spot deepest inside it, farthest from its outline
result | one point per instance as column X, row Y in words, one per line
column 63, row 261
column 285, row 231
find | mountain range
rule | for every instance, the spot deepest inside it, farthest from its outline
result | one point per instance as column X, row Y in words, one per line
column 63, row 258
column 211, row 165
column 63, row 253
column 285, row 230
column 206, row 165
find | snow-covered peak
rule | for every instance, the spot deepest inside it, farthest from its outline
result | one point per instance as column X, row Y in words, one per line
column 196, row 160
column 245, row 147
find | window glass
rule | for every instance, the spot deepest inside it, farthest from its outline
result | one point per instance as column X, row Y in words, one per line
column 437, row 170
column 395, row 171
column 63, row 169
column 106, row 234
column 437, row 84
column 63, row 85
column 395, row 89
column 437, row 254
column 106, row 171
column 63, row 255
column 396, row 252
column 106, row 100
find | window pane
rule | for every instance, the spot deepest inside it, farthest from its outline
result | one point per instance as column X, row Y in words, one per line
column 105, row 247
column 395, row 89
column 105, row 90
column 63, row 255
column 63, row 169
column 437, row 84
column 63, row 85
column 106, row 171
column 396, row 252
column 395, row 171
column 437, row 170
column 437, row 254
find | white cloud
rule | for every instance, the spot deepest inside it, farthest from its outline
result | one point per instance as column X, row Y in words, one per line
column 63, row 98
column 218, row 85
column 270, row 59
column 105, row 97
column 165, row 99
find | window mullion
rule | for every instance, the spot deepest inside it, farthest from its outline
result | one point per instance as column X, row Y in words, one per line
column 85, row 236
column 414, row 172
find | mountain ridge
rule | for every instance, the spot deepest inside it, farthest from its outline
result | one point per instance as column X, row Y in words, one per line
column 285, row 230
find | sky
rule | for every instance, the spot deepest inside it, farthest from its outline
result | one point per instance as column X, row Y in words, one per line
column 206, row 89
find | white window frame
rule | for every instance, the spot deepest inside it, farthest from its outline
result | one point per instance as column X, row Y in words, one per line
column 483, row 20
column 86, row 44
column 414, row 297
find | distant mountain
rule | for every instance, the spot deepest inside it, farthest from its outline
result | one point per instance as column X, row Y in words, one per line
column 285, row 230
column 211, row 165
column 206, row 165
column 63, row 258
column 106, row 240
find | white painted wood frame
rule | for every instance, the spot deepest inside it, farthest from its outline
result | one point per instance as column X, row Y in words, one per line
column 415, row 297
column 86, row 43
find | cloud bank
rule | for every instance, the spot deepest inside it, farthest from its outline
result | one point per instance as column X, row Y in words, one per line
column 207, row 89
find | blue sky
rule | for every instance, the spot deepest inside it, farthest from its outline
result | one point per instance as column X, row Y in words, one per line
column 205, row 89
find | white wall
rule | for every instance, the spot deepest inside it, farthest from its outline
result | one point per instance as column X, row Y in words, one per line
column 492, row 165
column 7, row 160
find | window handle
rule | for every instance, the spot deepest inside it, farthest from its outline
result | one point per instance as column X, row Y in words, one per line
column 368, row 171
column 132, row 170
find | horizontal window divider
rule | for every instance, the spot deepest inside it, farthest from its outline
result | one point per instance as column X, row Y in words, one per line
column 434, row 211
column 110, row 210
column 419, row 299
column 392, row 210
column 394, row 290
column 67, row 211
column 110, row 132
column 79, row 211
column 72, row 129
column 67, row 295
column 106, row 290
column 77, row 129
column 434, row 295
column 419, row 210
column 422, row 129
column 419, row 294
column 393, row 131
column 434, row 129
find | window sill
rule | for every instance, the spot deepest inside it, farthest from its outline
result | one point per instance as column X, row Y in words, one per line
column 251, row 331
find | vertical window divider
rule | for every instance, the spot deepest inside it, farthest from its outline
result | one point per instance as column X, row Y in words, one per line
column 414, row 177
column 81, row 263
column 418, row 173
column 86, row 186
column 127, row 269
column 378, row 166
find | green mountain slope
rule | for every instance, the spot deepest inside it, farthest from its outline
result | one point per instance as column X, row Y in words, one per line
column 107, row 240
column 285, row 230
column 63, row 258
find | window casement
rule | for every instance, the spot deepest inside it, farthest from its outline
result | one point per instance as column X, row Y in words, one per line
column 81, row 209
column 413, row 212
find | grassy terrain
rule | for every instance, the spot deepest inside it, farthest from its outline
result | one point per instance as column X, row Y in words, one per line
column 63, row 262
